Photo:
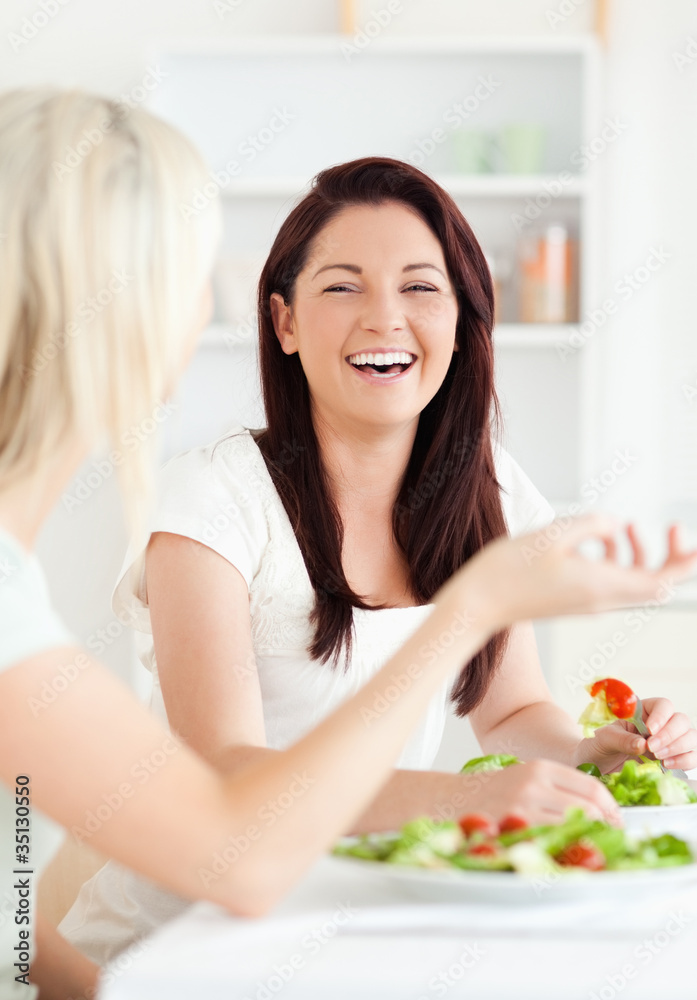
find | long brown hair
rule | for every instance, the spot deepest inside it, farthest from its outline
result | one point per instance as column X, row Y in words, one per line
column 449, row 504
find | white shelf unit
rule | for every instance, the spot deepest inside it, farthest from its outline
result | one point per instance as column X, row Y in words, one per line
column 386, row 101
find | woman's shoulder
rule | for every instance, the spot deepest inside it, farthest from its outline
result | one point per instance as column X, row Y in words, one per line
column 524, row 507
column 231, row 465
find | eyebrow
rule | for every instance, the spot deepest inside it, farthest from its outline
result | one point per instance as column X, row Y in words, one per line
column 354, row 269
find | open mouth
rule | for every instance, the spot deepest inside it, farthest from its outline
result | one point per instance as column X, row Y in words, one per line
column 385, row 365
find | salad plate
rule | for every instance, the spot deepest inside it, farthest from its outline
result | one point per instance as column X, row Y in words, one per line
column 654, row 820
column 508, row 861
column 440, row 885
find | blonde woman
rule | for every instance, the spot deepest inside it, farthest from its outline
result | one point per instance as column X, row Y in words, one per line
column 68, row 384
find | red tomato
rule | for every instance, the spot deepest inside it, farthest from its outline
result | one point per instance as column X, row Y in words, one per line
column 582, row 854
column 620, row 698
column 485, row 850
column 478, row 823
column 513, row 822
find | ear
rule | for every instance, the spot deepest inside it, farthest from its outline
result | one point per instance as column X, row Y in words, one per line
column 283, row 323
column 456, row 346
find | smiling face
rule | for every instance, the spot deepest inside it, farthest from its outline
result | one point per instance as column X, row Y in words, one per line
column 373, row 318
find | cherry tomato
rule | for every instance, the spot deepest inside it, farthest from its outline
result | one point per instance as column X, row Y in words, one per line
column 478, row 823
column 620, row 698
column 513, row 822
column 582, row 854
column 484, row 850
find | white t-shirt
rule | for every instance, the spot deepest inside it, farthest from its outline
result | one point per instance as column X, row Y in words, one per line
column 222, row 495
column 28, row 625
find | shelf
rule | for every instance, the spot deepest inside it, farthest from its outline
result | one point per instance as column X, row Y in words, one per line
column 485, row 185
column 528, row 335
column 533, row 334
column 535, row 45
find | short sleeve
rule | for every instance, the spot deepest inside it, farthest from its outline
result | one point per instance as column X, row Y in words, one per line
column 213, row 495
column 28, row 622
column 524, row 507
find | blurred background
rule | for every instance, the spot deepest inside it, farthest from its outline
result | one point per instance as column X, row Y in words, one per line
column 567, row 132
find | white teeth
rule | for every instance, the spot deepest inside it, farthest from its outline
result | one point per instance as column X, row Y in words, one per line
column 390, row 358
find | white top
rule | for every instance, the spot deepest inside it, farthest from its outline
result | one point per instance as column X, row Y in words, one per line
column 223, row 496
column 28, row 625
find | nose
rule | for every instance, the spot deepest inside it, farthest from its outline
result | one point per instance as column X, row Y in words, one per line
column 382, row 313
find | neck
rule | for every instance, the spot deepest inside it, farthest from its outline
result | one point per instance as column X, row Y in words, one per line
column 26, row 504
column 366, row 467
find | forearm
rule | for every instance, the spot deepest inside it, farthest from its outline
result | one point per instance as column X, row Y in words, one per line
column 539, row 730
column 58, row 969
column 346, row 760
column 404, row 795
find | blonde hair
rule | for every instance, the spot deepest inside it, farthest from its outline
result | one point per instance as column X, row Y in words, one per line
column 102, row 267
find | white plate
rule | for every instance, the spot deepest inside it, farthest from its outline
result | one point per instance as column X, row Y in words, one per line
column 651, row 821
column 511, row 888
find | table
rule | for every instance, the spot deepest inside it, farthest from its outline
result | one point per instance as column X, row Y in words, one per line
column 347, row 935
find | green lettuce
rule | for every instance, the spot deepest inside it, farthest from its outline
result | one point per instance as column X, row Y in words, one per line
column 492, row 762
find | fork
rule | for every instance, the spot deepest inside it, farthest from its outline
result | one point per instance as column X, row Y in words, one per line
column 637, row 721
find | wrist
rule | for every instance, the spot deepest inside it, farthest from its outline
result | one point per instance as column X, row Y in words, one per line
column 470, row 612
column 584, row 752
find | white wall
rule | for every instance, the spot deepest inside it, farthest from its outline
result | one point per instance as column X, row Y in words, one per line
column 649, row 350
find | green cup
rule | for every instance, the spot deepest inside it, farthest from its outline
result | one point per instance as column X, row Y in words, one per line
column 472, row 151
column 522, row 148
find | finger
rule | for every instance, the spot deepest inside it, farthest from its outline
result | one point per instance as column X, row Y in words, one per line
column 657, row 713
column 581, row 529
column 611, row 549
column 556, row 806
column 638, row 551
column 672, row 740
column 587, row 791
column 619, row 737
column 678, row 559
column 686, row 761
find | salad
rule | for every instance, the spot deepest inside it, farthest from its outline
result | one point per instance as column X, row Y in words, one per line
column 644, row 784
column 478, row 843
column 612, row 699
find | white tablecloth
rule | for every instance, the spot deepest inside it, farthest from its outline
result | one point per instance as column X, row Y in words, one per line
column 344, row 935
